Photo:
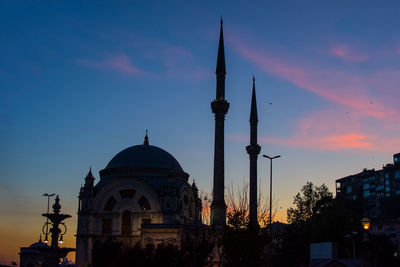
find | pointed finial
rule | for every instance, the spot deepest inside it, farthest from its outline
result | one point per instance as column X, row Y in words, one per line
column 89, row 179
column 146, row 139
column 222, row 22
column 221, row 70
column 253, row 109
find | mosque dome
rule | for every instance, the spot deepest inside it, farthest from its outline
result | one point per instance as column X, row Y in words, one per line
column 39, row 245
column 146, row 156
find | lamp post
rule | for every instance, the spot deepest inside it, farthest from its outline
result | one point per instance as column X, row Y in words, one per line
column 352, row 235
column 270, row 206
column 47, row 220
column 365, row 221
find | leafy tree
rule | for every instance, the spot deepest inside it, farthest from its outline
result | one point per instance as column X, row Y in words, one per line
column 311, row 202
column 308, row 219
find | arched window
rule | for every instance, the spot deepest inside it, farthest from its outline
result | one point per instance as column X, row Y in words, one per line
column 144, row 203
column 126, row 222
column 110, row 204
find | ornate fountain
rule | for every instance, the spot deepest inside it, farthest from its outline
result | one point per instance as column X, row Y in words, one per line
column 40, row 254
column 55, row 222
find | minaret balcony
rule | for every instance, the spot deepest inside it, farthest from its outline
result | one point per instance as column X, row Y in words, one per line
column 253, row 149
column 220, row 106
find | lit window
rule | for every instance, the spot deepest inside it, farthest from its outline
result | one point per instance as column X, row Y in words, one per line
column 397, row 174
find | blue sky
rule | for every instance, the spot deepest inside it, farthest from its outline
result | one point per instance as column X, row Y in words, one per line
column 80, row 81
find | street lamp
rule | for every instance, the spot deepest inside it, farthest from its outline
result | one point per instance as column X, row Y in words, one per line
column 365, row 223
column 47, row 221
column 270, row 205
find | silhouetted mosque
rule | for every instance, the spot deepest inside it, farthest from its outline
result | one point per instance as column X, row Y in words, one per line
column 144, row 195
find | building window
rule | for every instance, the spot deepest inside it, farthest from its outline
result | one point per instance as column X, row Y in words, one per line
column 349, row 189
column 146, row 221
column 126, row 222
column 397, row 174
column 106, row 226
column 144, row 203
column 366, row 193
column 127, row 193
column 366, row 186
column 110, row 204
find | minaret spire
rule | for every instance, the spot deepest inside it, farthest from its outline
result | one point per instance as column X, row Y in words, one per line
column 253, row 110
column 219, row 107
column 221, row 69
column 253, row 150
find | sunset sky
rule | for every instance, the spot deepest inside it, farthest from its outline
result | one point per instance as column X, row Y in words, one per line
column 80, row 81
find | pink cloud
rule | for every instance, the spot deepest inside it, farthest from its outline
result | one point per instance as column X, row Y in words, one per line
column 119, row 63
column 365, row 115
column 347, row 54
column 323, row 130
column 337, row 86
column 333, row 142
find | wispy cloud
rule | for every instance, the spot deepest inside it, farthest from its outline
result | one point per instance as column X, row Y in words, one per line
column 347, row 54
column 120, row 63
column 180, row 63
column 364, row 102
column 168, row 61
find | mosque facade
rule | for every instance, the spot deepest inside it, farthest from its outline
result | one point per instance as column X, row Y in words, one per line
column 143, row 196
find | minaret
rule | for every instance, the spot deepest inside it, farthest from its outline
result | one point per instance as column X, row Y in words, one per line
column 85, row 228
column 253, row 150
column 219, row 107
